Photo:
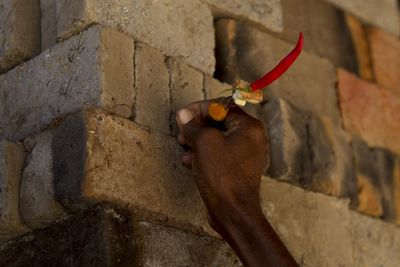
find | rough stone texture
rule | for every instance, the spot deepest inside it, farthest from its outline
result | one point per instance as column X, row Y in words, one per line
column 38, row 206
column 309, row 84
column 264, row 13
column 375, row 242
column 187, row 86
column 176, row 27
column 382, row 13
column 90, row 69
column 370, row 112
column 214, row 88
column 377, row 176
column 308, row 150
column 324, row 29
column 385, row 52
column 97, row 237
column 152, row 102
column 12, row 160
column 165, row 246
column 361, row 47
column 314, row 227
column 19, row 32
column 48, row 23
column 98, row 157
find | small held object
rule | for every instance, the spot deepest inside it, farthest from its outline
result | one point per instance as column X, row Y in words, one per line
column 244, row 92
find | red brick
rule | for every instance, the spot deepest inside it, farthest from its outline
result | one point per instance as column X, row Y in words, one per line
column 385, row 53
column 369, row 111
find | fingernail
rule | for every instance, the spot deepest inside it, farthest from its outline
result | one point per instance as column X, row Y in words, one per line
column 184, row 116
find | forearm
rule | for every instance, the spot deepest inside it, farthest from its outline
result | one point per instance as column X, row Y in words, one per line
column 255, row 241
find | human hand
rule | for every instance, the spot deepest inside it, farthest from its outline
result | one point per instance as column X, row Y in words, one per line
column 227, row 164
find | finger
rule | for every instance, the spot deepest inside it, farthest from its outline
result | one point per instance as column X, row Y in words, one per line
column 191, row 131
column 197, row 111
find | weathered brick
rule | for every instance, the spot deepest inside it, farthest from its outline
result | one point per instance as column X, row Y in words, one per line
column 152, row 101
column 382, row 13
column 370, row 112
column 304, row 221
column 385, row 52
column 324, row 29
column 178, row 28
column 94, row 68
column 19, row 32
column 144, row 175
column 12, row 160
column 361, row 46
column 214, row 88
column 38, row 205
column 375, row 242
column 97, row 237
column 309, row 84
column 98, row 157
column 308, row 150
column 187, row 86
column 165, row 246
column 264, row 13
column 48, row 23
column 376, row 178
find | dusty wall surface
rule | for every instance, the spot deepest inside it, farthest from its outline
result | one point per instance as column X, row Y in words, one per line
column 90, row 173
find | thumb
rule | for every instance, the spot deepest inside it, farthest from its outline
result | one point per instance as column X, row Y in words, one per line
column 189, row 127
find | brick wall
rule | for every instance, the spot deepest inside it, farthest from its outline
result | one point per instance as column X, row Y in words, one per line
column 89, row 164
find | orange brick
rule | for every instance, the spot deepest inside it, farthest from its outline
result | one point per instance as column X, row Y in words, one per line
column 369, row 199
column 385, row 53
column 369, row 111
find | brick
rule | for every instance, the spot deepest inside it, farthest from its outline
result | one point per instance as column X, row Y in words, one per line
column 361, row 46
column 115, row 160
column 12, row 159
column 48, row 23
column 187, row 86
column 19, row 32
column 309, row 84
column 152, row 103
column 385, row 52
column 369, row 111
column 383, row 14
column 304, row 221
column 324, row 29
column 375, row 242
column 182, row 28
column 308, row 150
column 376, row 178
column 266, row 14
column 213, row 88
column 97, row 237
column 38, row 206
column 142, row 176
column 166, row 246
column 92, row 69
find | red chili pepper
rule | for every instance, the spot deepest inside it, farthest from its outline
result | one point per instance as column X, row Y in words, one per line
column 280, row 69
